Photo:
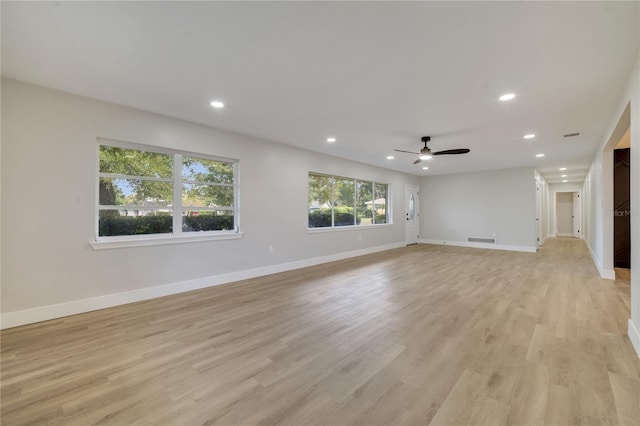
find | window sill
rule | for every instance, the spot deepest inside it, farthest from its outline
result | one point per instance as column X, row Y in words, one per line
column 347, row 228
column 156, row 241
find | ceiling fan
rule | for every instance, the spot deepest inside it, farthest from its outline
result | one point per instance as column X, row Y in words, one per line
column 425, row 153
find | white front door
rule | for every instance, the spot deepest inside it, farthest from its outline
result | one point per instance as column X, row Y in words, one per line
column 411, row 214
column 576, row 215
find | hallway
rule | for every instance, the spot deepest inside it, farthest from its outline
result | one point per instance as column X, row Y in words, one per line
column 423, row 334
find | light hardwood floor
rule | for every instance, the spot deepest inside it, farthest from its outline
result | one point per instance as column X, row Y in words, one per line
column 418, row 335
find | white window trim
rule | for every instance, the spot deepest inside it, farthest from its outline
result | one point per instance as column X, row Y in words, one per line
column 332, row 228
column 161, row 239
column 174, row 237
column 348, row 228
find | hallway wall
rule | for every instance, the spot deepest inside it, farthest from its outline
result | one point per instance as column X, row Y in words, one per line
column 598, row 190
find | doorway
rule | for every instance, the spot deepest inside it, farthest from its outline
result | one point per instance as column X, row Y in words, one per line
column 568, row 214
column 411, row 214
column 622, row 208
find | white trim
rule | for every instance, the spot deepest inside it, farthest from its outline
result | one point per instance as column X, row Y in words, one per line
column 528, row 249
column 606, row 274
column 634, row 336
column 161, row 239
column 347, row 228
column 176, row 235
column 43, row 313
column 563, row 234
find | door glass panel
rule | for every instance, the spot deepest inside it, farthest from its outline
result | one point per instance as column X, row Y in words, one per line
column 412, row 207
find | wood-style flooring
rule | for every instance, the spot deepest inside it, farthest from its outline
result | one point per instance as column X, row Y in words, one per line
column 419, row 335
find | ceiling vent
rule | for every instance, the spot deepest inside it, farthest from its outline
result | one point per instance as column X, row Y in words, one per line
column 572, row 135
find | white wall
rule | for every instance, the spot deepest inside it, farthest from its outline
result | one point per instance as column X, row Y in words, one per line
column 500, row 202
column 598, row 190
column 49, row 168
column 634, row 96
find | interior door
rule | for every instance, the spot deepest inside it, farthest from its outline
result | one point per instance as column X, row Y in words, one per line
column 411, row 214
column 576, row 215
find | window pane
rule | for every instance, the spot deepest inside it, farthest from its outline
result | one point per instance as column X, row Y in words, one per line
column 201, row 170
column 134, row 222
column 135, row 192
column 320, row 201
column 364, row 205
column 343, row 214
column 134, row 162
column 380, row 203
column 198, row 221
column 194, row 195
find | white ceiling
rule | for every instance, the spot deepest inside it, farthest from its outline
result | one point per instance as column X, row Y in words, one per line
column 377, row 76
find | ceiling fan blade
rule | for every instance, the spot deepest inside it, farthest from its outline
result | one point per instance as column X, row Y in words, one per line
column 408, row 152
column 452, row 151
column 418, row 161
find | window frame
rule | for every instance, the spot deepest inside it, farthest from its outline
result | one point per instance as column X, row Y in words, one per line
column 333, row 227
column 176, row 235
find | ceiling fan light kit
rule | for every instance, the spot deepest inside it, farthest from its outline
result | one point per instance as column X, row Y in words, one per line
column 426, row 154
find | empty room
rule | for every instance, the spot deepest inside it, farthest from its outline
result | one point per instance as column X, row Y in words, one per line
column 320, row 213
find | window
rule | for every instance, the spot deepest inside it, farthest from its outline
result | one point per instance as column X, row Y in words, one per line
column 150, row 191
column 339, row 201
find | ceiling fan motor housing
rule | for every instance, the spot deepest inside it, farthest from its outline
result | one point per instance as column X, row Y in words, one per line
column 426, row 149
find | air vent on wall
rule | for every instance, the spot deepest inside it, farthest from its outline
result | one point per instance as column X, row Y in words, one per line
column 481, row 240
column 571, row 135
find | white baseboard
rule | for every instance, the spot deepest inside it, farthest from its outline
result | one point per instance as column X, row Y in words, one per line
column 529, row 249
column 607, row 274
column 634, row 336
column 564, row 234
column 43, row 313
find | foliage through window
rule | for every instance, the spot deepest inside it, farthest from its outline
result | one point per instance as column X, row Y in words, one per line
column 145, row 190
column 338, row 201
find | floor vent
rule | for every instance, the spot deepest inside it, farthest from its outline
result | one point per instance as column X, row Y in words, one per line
column 481, row 240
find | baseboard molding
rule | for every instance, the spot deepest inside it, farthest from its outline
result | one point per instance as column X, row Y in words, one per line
column 529, row 249
column 634, row 336
column 607, row 274
column 562, row 234
column 44, row 313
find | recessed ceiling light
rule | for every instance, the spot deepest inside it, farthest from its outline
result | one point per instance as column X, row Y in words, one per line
column 507, row 97
column 217, row 104
column 564, row 181
column 529, row 136
column 425, row 168
column 389, row 157
column 539, row 155
column 331, row 140
column 425, row 157
column 562, row 169
column 563, row 176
